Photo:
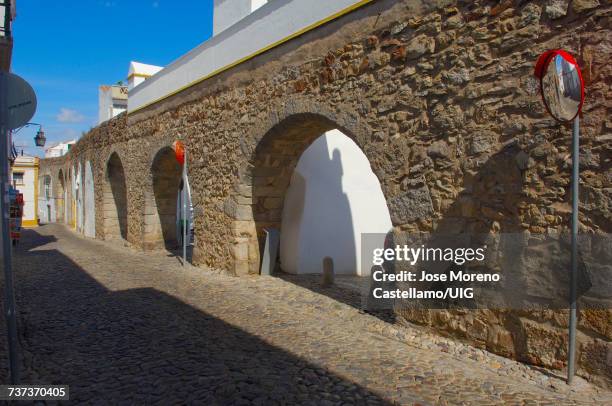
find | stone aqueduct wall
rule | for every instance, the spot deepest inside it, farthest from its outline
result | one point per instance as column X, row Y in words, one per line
column 439, row 95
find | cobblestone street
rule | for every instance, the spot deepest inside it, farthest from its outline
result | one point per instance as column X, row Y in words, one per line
column 125, row 327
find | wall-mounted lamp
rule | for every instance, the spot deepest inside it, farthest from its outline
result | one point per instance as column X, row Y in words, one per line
column 40, row 137
column 40, row 134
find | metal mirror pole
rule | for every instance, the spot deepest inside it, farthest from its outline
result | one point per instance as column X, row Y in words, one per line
column 574, row 270
column 9, row 296
column 185, row 211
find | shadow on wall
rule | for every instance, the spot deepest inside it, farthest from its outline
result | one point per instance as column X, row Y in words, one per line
column 155, row 340
column 333, row 197
column 292, row 218
column 324, row 226
column 497, row 202
column 166, row 173
column 115, row 200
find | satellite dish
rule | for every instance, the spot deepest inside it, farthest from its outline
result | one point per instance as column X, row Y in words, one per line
column 21, row 100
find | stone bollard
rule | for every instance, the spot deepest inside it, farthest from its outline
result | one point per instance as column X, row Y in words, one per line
column 328, row 271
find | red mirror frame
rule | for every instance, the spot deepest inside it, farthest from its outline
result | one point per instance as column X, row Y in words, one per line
column 540, row 69
column 179, row 152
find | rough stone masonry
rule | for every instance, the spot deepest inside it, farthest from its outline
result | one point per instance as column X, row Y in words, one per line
column 439, row 95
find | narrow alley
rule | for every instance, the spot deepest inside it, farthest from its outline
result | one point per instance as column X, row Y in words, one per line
column 125, row 327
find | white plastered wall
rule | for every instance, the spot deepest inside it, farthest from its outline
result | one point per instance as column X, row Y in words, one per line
column 89, row 203
column 79, row 197
column 333, row 198
column 238, row 33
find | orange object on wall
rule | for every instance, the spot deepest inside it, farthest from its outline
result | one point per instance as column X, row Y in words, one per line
column 179, row 151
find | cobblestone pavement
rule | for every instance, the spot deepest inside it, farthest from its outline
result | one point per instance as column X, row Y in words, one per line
column 123, row 327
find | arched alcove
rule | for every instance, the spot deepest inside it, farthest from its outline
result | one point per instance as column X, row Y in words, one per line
column 60, row 203
column 262, row 194
column 161, row 204
column 89, row 202
column 332, row 199
column 70, row 203
column 115, row 200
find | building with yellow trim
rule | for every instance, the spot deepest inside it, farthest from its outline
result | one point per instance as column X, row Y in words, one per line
column 139, row 72
column 112, row 101
column 241, row 31
column 24, row 177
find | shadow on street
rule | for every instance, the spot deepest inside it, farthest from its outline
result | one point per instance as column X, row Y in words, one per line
column 144, row 346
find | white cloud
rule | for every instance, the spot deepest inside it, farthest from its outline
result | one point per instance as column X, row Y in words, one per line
column 69, row 133
column 69, row 116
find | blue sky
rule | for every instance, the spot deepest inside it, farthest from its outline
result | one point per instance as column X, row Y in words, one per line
column 67, row 49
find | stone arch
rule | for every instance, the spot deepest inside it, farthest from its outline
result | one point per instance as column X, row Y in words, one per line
column 60, row 204
column 161, row 201
column 259, row 198
column 89, row 203
column 115, row 199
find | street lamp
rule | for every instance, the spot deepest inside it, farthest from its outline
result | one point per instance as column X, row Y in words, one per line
column 40, row 138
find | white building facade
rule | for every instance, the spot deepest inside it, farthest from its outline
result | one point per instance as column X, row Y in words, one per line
column 229, row 12
column 112, row 101
column 24, row 177
column 239, row 34
column 139, row 72
column 59, row 149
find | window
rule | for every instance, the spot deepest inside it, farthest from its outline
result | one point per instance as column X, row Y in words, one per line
column 18, row 178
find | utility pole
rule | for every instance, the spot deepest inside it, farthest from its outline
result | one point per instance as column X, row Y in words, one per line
column 5, row 237
column 9, row 295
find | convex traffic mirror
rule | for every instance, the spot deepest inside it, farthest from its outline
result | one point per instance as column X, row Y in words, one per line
column 561, row 84
column 562, row 91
